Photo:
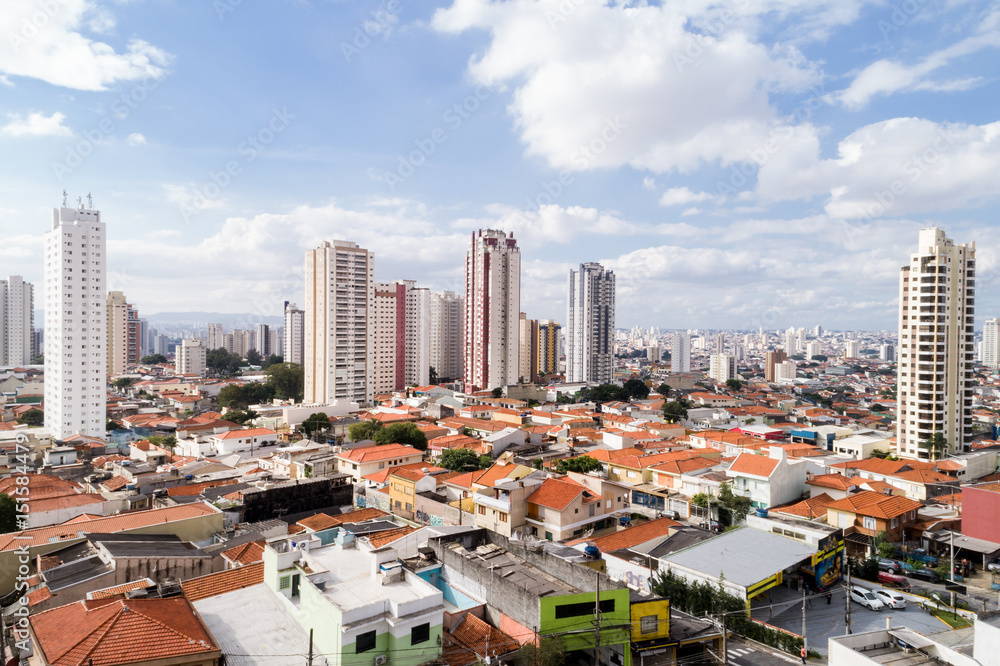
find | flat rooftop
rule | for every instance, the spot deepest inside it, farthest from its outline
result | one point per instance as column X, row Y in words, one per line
column 351, row 585
column 745, row 556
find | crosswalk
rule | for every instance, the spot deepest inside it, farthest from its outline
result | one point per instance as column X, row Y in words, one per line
column 743, row 655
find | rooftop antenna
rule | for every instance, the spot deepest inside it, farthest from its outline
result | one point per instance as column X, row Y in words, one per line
column 65, row 195
column 79, row 202
column 90, row 202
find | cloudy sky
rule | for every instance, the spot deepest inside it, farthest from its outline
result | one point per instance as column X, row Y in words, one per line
column 741, row 163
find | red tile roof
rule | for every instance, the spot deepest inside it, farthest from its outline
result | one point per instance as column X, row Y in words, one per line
column 835, row 481
column 241, row 434
column 754, row 465
column 247, row 553
column 222, row 582
column 557, row 493
column 323, row 521
column 109, row 592
column 120, row 632
column 376, row 453
column 483, row 638
column 631, row 536
column 379, row 539
column 870, row 503
column 814, row 507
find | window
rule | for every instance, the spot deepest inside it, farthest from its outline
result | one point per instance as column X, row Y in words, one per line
column 869, row 523
column 364, row 642
column 420, row 633
column 284, row 582
column 894, row 523
column 503, row 517
column 583, row 608
column 648, row 624
column 482, row 509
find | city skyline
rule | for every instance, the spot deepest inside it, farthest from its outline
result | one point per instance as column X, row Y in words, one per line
column 846, row 128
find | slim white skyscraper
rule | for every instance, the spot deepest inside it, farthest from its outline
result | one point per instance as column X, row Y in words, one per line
column 190, row 358
column 680, row 352
column 722, row 367
column 339, row 323
column 216, row 335
column 492, row 307
column 934, row 372
column 590, row 324
column 991, row 343
column 17, row 320
column 446, row 319
column 295, row 323
column 263, row 340
column 75, row 324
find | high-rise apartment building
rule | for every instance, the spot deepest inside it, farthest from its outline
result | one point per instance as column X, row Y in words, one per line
column 680, row 352
column 446, row 319
column 17, row 321
column 590, row 324
column 813, row 348
column 527, row 364
column 771, row 359
column 991, row 343
column 784, row 371
column 295, row 324
column 720, row 343
column 262, row 340
column 887, row 353
column 277, row 342
column 852, row 349
column 402, row 336
column 492, row 305
column 791, row 342
column 339, row 323
column 75, row 324
column 934, row 374
column 124, row 334
column 190, row 358
column 549, row 335
column 215, row 337
column 722, row 367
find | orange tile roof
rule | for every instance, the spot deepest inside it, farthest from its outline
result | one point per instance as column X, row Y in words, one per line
column 379, row 539
column 222, row 582
column 197, row 488
column 36, row 597
column 753, row 465
column 870, row 503
column 104, row 525
column 115, row 483
column 836, row 481
column 109, row 592
column 814, row 507
column 631, row 536
column 249, row 432
column 557, row 493
column 323, row 521
column 247, row 553
column 376, row 453
column 685, row 466
column 120, row 631
column 483, row 638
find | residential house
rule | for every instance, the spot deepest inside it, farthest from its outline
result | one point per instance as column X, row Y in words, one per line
column 503, row 507
column 767, row 480
column 361, row 462
column 561, row 508
column 869, row 513
column 236, row 441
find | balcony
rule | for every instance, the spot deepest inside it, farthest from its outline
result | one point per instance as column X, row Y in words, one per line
column 502, row 504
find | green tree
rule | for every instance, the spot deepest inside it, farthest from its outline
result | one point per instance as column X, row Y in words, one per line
column 498, row 392
column 663, row 389
column 676, row 410
column 581, row 464
column 537, row 463
column 548, row 652
column 637, row 389
column 485, row 461
column 38, row 360
column 877, row 408
column 737, row 505
column 935, row 445
column 222, row 362
column 123, row 383
column 153, row 359
column 163, row 441
column 232, row 396
column 459, row 460
column 8, row 514
column 700, row 499
column 273, row 359
column 606, row 393
column 254, row 357
column 32, row 417
column 402, row 433
column 318, row 422
column 734, row 384
column 433, row 376
column 287, row 380
column 241, row 416
column 564, row 400
column 883, row 546
column 363, row 430
column 822, row 358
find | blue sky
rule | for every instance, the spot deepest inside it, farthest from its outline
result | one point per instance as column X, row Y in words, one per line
column 738, row 164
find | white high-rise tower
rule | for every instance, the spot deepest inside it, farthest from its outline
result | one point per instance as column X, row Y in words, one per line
column 991, row 343
column 339, row 339
column 590, row 325
column 295, row 321
column 934, row 376
column 492, row 307
column 680, row 352
column 17, row 319
column 75, row 324
column 446, row 308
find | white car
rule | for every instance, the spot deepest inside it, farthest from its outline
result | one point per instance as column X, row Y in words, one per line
column 866, row 598
column 891, row 598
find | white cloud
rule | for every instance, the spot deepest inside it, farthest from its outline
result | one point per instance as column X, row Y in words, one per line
column 136, row 139
column 678, row 196
column 48, row 44
column 606, row 84
column 885, row 77
column 36, row 124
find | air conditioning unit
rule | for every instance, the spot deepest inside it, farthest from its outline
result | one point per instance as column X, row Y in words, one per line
column 380, row 659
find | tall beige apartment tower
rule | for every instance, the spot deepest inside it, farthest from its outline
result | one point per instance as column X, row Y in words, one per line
column 492, row 307
column 934, row 372
column 17, row 321
column 76, row 319
column 339, row 340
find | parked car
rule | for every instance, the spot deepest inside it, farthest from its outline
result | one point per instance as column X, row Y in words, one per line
column 891, row 566
column 994, row 565
column 866, row 598
column 928, row 575
column 893, row 580
column 672, row 515
column 891, row 598
column 713, row 525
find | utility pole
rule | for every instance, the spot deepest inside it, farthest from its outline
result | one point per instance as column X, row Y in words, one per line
column 597, row 622
column 725, row 647
column 847, row 599
column 803, row 616
column 310, row 661
column 952, row 533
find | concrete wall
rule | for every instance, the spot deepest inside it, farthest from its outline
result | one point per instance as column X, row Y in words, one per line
column 303, row 495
